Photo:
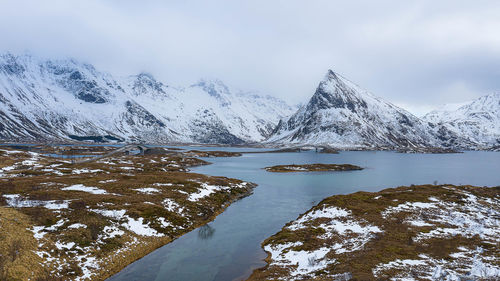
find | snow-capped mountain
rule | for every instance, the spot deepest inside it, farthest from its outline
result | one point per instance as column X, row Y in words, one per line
column 476, row 124
column 65, row 99
column 343, row 115
column 209, row 110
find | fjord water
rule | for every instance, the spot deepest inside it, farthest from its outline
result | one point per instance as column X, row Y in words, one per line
column 229, row 247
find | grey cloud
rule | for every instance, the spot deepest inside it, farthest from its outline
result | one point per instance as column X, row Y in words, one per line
column 419, row 53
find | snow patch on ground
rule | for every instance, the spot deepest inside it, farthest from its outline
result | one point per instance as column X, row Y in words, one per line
column 89, row 265
column 17, row 201
column 40, row 231
column 138, row 226
column 204, row 191
column 111, row 232
column 147, row 190
column 114, row 214
column 127, row 168
column 407, row 206
column 470, row 218
column 172, row 206
column 164, row 222
column 107, row 181
column 89, row 189
column 330, row 212
column 163, row 184
column 85, row 171
column 77, row 225
column 299, row 262
column 355, row 233
column 465, row 265
column 302, row 263
column 66, row 246
column 292, row 168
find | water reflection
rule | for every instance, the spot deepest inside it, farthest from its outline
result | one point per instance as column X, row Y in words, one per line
column 206, row 232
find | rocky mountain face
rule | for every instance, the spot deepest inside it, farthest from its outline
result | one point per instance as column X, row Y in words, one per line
column 476, row 124
column 343, row 115
column 61, row 100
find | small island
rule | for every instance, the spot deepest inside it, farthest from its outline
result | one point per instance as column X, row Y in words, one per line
column 206, row 154
column 312, row 168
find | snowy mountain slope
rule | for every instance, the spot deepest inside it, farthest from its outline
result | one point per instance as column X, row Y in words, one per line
column 212, row 112
column 476, row 124
column 57, row 99
column 343, row 115
column 252, row 116
column 53, row 100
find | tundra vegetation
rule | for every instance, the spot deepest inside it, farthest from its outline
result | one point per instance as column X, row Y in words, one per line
column 60, row 220
column 424, row 232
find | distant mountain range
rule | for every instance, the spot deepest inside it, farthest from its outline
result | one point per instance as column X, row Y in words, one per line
column 46, row 100
column 474, row 125
column 61, row 100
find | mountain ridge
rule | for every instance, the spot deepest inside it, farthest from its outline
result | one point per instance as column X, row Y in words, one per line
column 477, row 121
column 62, row 100
column 343, row 115
column 55, row 99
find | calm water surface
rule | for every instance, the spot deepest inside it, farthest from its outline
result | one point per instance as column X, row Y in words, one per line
column 229, row 247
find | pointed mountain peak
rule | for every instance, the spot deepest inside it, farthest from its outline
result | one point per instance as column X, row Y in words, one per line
column 333, row 83
column 145, row 82
column 333, row 80
column 146, row 77
column 336, row 92
column 210, row 83
column 330, row 74
column 488, row 103
column 214, row 87
column 493, row 97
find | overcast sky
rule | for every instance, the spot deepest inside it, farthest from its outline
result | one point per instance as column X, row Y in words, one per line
column 416, row 54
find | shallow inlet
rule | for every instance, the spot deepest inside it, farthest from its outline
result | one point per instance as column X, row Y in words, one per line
column 229, row 247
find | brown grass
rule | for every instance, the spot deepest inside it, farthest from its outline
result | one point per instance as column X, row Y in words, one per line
column 17, row 246
column 146, row 171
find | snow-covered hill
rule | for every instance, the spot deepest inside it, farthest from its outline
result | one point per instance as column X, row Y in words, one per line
column 476, row 124
column 343, row 115
column 63, row 99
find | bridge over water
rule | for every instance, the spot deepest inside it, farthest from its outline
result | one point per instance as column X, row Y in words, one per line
column 127, row 149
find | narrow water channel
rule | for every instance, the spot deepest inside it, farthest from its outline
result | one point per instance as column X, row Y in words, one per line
column 229, row 247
